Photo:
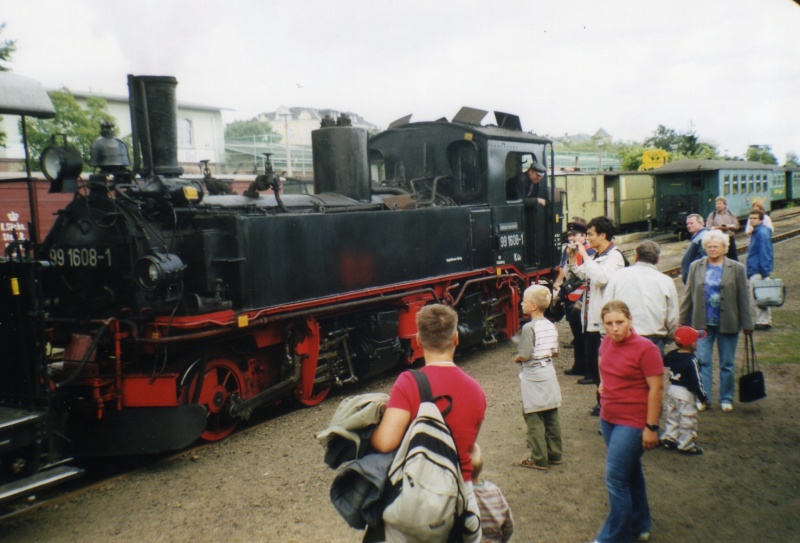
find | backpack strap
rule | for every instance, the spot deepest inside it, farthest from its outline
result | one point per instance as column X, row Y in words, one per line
column 425, row 394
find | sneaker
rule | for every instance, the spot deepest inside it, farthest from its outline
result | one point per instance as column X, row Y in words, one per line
column 693, row 450
column 726, row 407
column 644, row 536
column 668, row 444
column 586, row 381
column 595, row 412
column 701, row 406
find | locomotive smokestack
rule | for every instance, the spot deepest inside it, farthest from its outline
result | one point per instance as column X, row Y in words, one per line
column 154, row 114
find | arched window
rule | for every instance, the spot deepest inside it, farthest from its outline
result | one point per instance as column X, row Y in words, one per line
column 185, row 133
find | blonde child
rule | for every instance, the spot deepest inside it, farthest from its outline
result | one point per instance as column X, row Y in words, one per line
column 541, row 395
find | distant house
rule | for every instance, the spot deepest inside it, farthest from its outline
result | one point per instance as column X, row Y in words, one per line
column 600, row 135
column 598, row 157
column 201, row 132
column 290, row 151
column 295, row 124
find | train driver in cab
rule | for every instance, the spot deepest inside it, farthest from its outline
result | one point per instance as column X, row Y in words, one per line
column 531, row 185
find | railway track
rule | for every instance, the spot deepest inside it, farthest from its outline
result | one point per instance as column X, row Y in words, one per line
column 108, row 473
column 777, row 238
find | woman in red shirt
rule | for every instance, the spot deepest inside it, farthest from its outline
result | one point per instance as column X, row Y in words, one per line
column 631, row 371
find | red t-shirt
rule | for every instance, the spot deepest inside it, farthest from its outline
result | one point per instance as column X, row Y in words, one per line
column 624, row 368
column 469, row 405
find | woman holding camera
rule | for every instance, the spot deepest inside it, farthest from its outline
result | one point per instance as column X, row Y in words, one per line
column 573, row 290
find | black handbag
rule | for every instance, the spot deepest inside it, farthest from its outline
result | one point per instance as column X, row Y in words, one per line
column 751, row 383
column 569, row 286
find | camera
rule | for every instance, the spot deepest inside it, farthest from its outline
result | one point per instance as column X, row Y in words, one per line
column 570, row 285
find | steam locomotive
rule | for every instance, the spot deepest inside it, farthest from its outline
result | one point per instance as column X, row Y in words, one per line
column 156, row 313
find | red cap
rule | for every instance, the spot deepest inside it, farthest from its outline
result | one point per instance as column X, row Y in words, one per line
column 686, row 335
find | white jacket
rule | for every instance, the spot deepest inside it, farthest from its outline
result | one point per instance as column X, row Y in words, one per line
column 596, row 271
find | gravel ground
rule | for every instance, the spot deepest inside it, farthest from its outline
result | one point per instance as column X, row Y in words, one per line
column 269, row 483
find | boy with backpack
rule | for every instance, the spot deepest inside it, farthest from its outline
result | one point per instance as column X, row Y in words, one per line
column 541, row 395
column 437, row 327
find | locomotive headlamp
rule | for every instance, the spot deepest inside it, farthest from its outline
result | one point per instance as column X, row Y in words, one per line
column 62, row 165
column 158, row 271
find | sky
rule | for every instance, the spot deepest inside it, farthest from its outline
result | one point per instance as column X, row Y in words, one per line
column 727, row 70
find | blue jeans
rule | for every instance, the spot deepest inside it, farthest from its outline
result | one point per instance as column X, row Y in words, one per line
column 726, row 347
column 629, row 512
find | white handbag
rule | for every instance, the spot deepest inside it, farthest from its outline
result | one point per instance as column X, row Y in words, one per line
column 769, row 292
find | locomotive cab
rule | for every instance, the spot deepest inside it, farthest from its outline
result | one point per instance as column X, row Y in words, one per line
column 463, row 163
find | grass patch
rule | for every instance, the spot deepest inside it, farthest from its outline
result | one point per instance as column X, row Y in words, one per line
column 780, row 344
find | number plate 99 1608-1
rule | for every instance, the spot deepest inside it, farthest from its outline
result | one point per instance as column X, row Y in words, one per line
column 510, row 240
column 80, row 257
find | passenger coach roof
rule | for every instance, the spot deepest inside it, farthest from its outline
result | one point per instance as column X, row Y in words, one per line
column 694, row 165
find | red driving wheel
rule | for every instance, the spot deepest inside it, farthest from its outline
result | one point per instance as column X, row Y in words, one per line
column 222, row 379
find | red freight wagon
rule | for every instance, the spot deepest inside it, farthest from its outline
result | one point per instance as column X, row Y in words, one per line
column 15, row 212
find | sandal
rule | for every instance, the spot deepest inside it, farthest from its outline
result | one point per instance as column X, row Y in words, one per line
column 527, row 463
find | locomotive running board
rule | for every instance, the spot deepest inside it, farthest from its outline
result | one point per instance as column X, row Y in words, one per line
column 38, row 481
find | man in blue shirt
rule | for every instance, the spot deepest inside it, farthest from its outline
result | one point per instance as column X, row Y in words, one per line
column 760, row 261
column 696, row 227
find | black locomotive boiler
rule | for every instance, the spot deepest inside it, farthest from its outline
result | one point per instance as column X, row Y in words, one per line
column 154, row 313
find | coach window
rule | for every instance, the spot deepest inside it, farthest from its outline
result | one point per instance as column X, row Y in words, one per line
column 735, row 184
column 184, row 133
column 751, row 185
column 726, row 185
column 465, row 166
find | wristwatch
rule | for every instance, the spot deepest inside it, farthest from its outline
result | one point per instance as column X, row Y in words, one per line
column 653, row 427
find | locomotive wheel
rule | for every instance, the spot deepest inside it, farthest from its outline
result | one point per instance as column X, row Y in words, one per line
column 318, row 393
column 222, row 380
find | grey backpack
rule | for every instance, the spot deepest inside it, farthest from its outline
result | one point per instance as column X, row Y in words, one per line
column 426, row 498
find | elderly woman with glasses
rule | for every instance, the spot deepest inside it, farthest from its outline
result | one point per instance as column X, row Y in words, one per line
column 717, row 300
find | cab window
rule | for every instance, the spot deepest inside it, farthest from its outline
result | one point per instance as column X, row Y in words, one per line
column 465, row 167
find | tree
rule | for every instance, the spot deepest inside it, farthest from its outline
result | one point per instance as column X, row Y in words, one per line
column 663, row 138
column 80, row 126
column 761, row 153
column 630, row 156
column 680, row 145
column 7, row 48
column 791, row 160
column 248, row 129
